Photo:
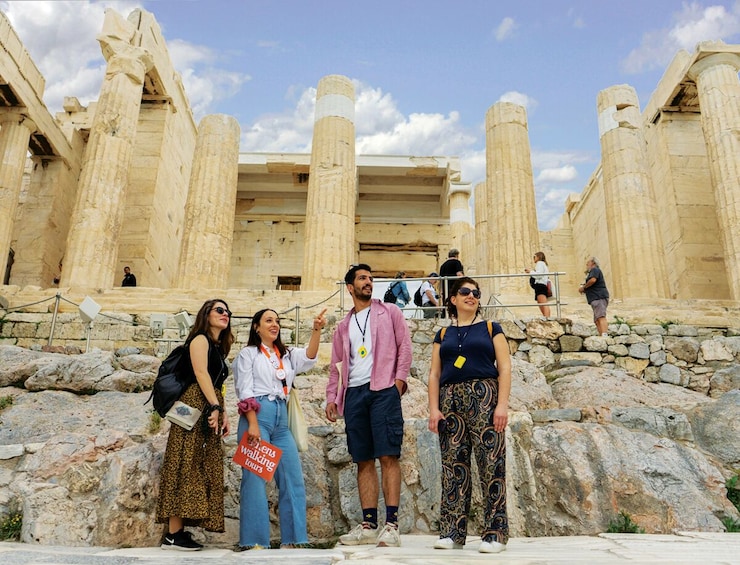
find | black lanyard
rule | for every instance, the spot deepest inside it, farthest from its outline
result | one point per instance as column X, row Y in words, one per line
column 364, row 328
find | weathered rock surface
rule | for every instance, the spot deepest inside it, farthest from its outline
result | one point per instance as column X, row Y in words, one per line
column 81, row 453
column 595, row 386
column 717, row 427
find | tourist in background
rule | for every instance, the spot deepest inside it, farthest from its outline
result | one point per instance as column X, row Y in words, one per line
column 450, row 268
column 129, row 279
column 191, row 488
column 370, row 362
column 429, row 296
column 469, row 385
column 540, row 282
column 400, row 290
column 264, row 372
column 597, row 294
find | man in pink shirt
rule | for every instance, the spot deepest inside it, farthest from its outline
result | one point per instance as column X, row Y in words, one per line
column 370, row 362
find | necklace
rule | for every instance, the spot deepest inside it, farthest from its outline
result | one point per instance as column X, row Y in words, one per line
column 460, row 338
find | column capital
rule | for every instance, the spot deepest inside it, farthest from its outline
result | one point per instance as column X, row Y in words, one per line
column 713, row 60
column 17, row 115
column 460, row 188
column 134, row 62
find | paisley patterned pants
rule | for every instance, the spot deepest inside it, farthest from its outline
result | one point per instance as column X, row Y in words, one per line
column 468, row 408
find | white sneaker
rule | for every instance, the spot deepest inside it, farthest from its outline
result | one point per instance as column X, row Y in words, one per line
column 389, row 536
column 447, row 543
column 361, row 534
column 491, row 547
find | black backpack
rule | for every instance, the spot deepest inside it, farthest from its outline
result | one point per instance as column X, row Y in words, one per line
column 172, row 380
column 389, row 295
column 417, row 296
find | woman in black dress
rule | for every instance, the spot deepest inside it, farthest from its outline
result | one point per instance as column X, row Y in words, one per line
column 191, row 490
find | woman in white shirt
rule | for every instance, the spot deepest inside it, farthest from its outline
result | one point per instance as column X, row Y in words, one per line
column 540, row 282
column 264, row 372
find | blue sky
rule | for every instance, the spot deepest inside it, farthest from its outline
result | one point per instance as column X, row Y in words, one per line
column 425, row 72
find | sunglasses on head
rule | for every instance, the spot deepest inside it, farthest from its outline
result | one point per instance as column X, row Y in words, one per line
column 464, row 291
column 221, row 310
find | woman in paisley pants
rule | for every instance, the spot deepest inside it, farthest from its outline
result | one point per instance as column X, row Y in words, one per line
column 469, row 385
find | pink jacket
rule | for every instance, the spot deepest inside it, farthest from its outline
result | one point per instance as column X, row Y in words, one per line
column 391, row 347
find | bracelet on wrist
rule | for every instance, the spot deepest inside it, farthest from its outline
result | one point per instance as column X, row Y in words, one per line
column 214, row 408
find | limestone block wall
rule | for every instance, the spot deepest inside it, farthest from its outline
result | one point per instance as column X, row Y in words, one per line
column 263, row 250
column 557, row 245
column 589, row 229
column 156, row 195
column 688, row 219
column 43, row 224
column 411, row 261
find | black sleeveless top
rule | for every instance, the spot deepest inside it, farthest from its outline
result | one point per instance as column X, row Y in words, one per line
column 217, row 367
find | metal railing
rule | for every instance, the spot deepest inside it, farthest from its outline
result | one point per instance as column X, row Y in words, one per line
column 494, row 304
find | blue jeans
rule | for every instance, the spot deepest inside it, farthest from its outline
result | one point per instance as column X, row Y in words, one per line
column 254, row 517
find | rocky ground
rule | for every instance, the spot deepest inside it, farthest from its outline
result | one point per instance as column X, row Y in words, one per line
column 646, row 422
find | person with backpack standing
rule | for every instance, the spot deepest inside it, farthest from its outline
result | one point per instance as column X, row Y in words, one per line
column 469, row 386
column 540, row 282
column 191, row 488
column 398, row 292
column 429, row 296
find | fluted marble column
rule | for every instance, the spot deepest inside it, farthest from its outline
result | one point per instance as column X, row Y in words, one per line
column 329, row 246
column 92, row 245
column 481, row 229
column 205, row 258
column 512, row 216
column 637, row 254
column 15, row 131
column 460, row 224
column 716, row 79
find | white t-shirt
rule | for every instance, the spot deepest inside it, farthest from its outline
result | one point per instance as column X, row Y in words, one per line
column 540, row 267
column 426, row 285
column 360, row 351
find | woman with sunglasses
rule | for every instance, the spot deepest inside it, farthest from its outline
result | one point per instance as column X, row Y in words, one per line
column 469, row 385
column 264, row 372
column 191, row 490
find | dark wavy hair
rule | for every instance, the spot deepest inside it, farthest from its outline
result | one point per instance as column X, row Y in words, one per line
column 451, row 308
column 225, row 338
column 349, row 278
column 254, row 338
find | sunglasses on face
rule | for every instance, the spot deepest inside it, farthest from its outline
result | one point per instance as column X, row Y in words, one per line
column 221, row 310
column 464, row 291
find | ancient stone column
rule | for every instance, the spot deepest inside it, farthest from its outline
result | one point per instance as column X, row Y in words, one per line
column 205, row 258
column 44, row 223
column 92, row 245
column 637, row 254
column 460, row 224
column 480, row 197
column 716, row 79
column 329, row 246
column 15, row 131
column 512, row 218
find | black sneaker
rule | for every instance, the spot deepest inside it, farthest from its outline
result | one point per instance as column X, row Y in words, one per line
column 181, row 541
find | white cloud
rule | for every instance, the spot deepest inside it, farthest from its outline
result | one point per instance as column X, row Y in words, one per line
column 565, row 173
column 694, row 23
column 77, row 69
column 520, row 98
column 288, row 132
column 205, row 83
column 61, row 39
column 505, row 29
